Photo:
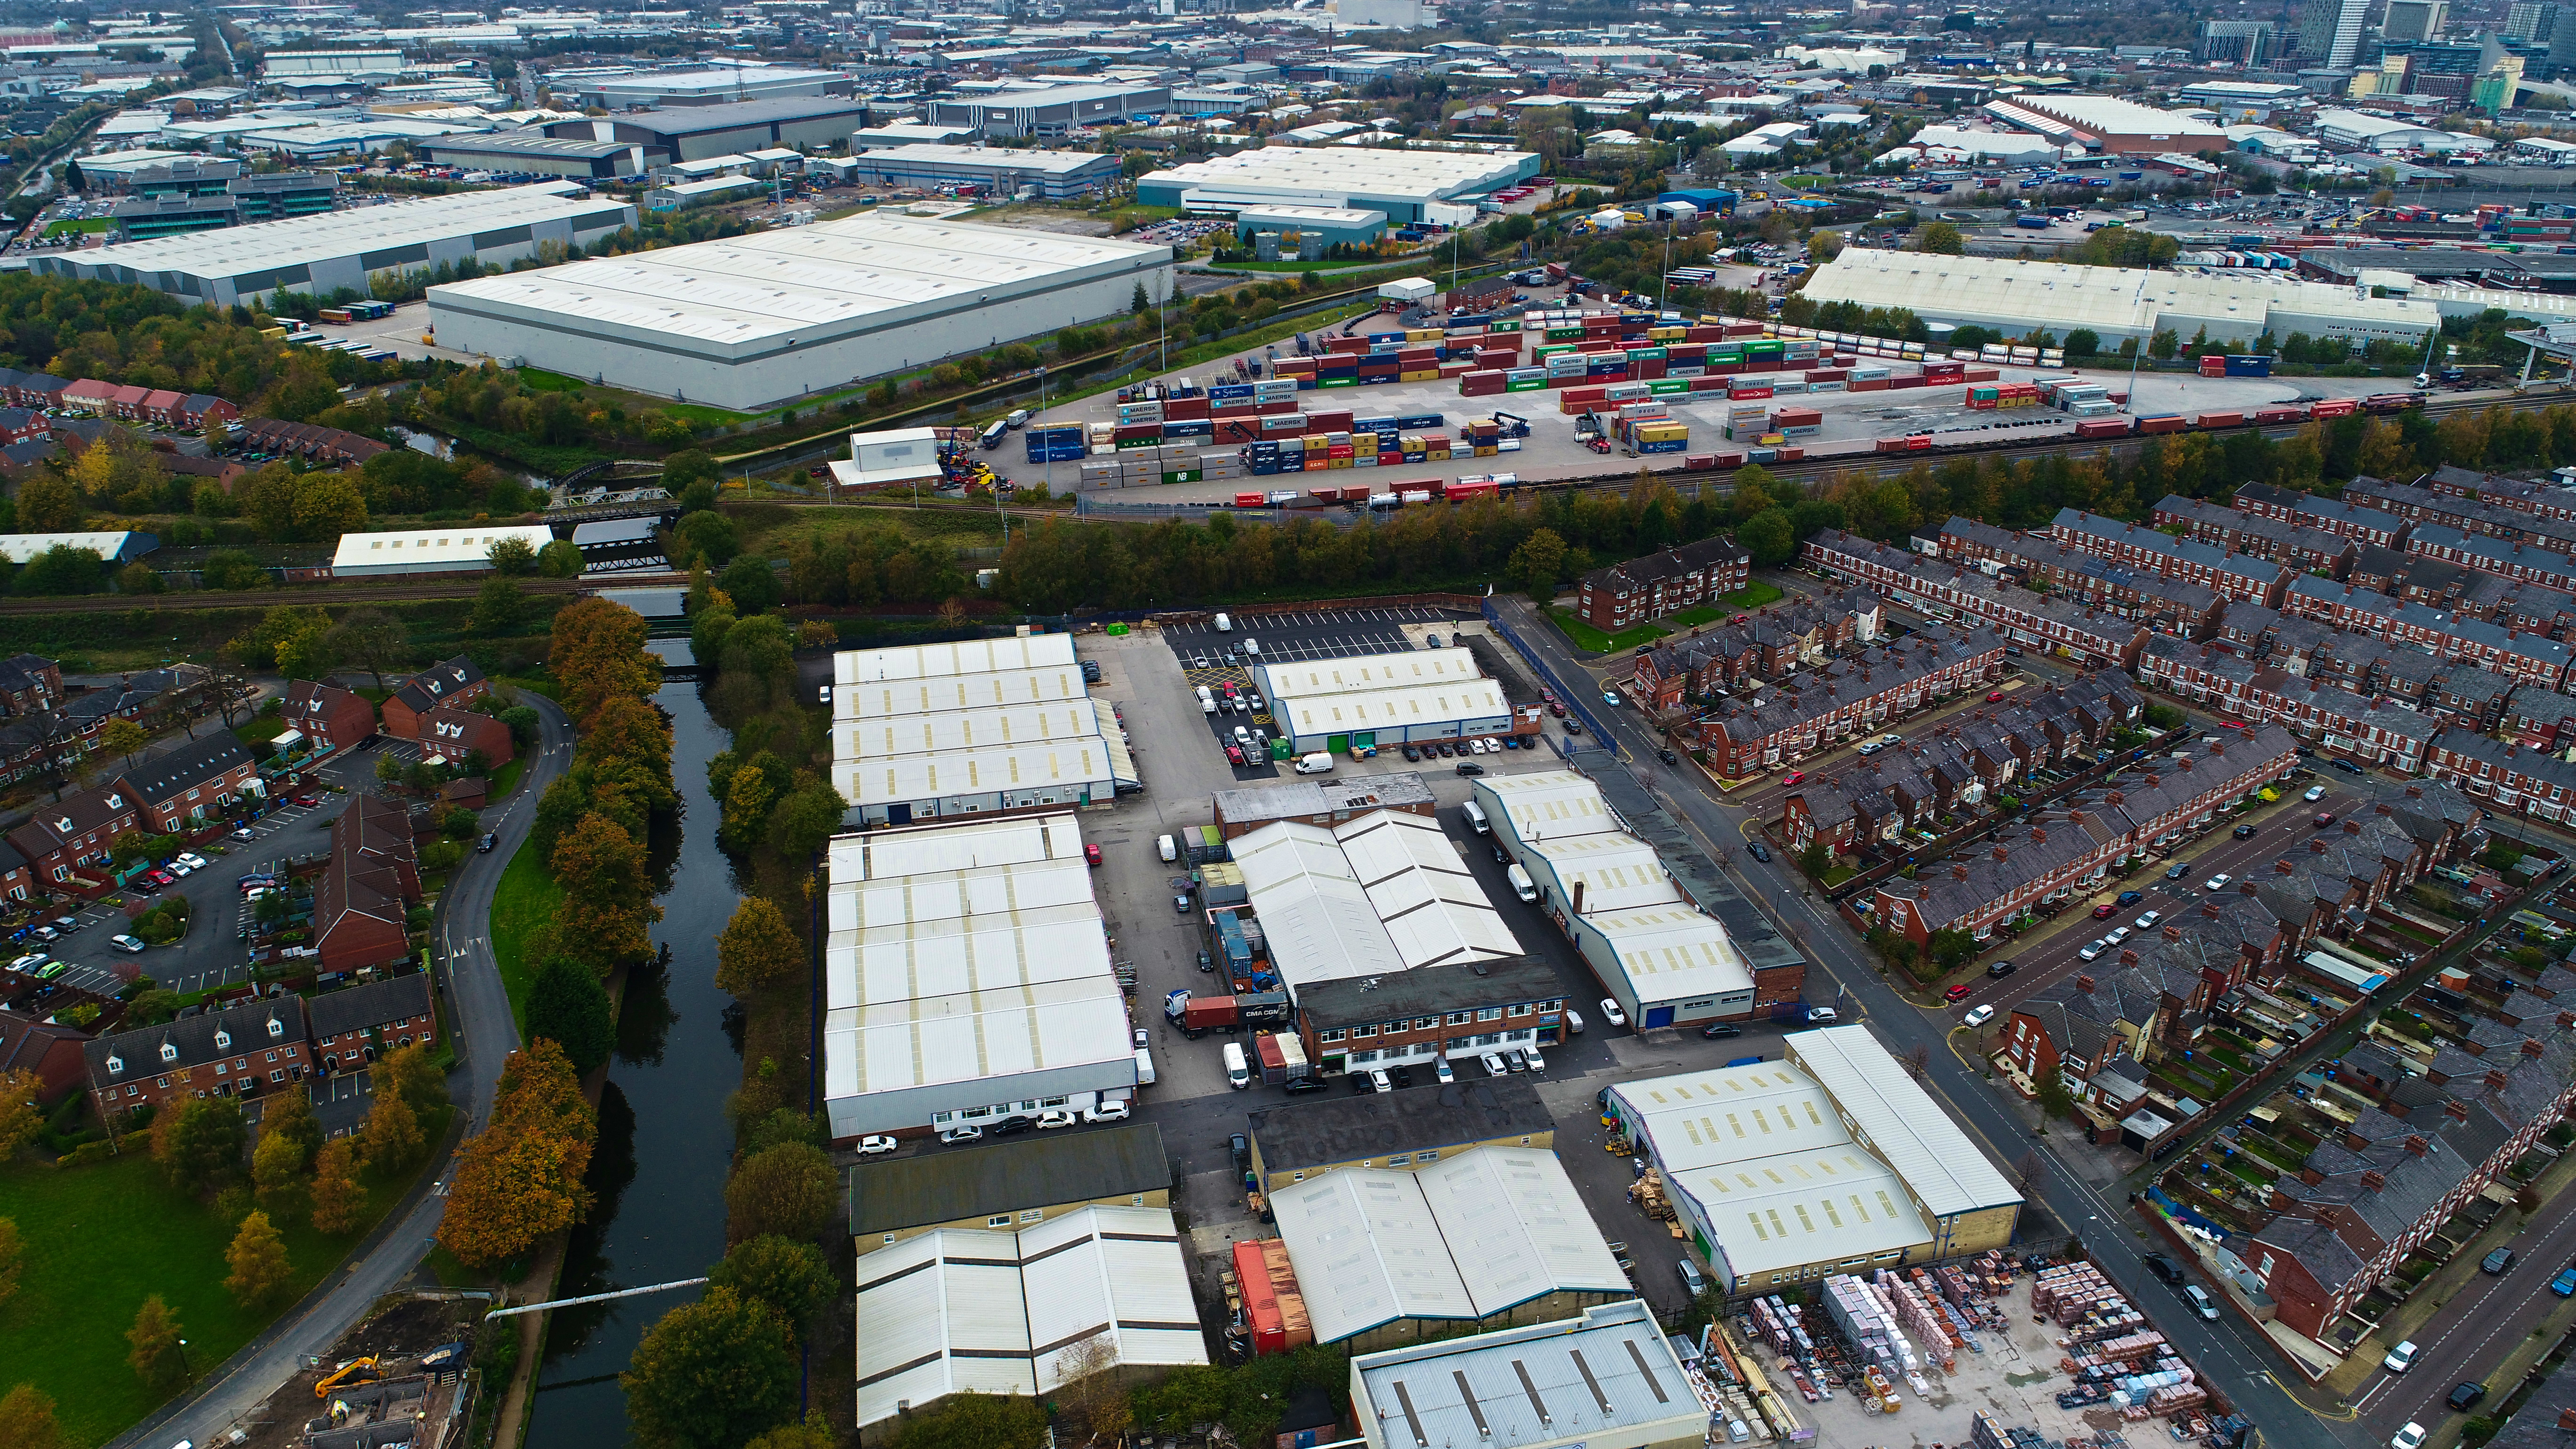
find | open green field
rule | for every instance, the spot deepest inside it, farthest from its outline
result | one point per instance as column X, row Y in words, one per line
column 1593, row 640
column 88, row 225
column 524, row 900
column 102, row 1238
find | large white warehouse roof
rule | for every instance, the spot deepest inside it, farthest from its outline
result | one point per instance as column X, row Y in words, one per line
column 1337, row 176
column 917, row 734
column 457, row 546
column 390, row 227
column 808, row 304
column 1384, row 892
column 1001, row 689
column 2019, row 296
column 940, row 661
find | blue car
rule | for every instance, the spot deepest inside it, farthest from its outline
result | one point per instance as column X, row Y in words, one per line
column 2564, row 1285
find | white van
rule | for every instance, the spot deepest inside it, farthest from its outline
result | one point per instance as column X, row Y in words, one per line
column 1224, row 625
column 1237, row 1075
column 1207, row 700
column 1573, row 1022
column 1251, row 646
column 1144, row 1067
column 1522, row 885
column 1164, row 847
column 1476, row 818
column 1318, row 763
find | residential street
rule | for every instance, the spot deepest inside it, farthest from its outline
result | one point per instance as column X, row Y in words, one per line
column 478, row 1020
column 2231, row 1353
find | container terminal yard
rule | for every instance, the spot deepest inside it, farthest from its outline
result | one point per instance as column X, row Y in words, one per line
column 1205, row 449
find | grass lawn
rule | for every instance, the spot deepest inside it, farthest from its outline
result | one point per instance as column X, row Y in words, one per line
column 260, row 729
column 1837, row 875
column 87, row 224
column 523, row 901
column 1693, row 618
column 506, row 779
column 99, row 1240
column 1752, row 596
column 1588, row 638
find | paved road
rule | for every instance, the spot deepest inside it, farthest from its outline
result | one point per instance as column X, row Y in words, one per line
column 478, row 1015
column 2473, row 1331
column 2231, row 1354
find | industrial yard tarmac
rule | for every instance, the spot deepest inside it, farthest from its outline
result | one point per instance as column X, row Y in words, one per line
column 1552, row 451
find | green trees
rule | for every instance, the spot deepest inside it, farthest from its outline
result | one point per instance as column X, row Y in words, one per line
column 568, row 1006
column 200, row 1144
column 711, row 1374
column 1942, row 238
column 787, row 1276
column 786, row 1190
column 257, row 1257
column 152, row 1345
column 62, row 569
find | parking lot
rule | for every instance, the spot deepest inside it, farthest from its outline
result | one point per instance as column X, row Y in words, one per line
column 1222, row 661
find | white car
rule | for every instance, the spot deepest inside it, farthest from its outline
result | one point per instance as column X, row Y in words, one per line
column 2217, row 882
column 1379, row 1081
column 30, row 961
column 245, row 833
column 180, row 867
column 2401, row 1358
column 1494, row 1065
column 1536, row 1062
column 2148, row 921
column 127, row 944
column 968, row 1133
column 2315, row 793
column 192, row 860
column 1058, row 1117
column 1611, row 1013
column 1106, row 1112
column 1978, row 1016
column 874, row 1146
column 2409, row 1437
column 2093, row 949
column 1443, row 1071
column 1142, row 1038
column 2116, row 935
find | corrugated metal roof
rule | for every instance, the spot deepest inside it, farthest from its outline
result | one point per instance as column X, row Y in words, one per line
column 1320, row 923
column 454, row 544
column 965, row 730
column 308, row 239
column 889, row 699
column 2059, row 295
column 1389, row 709
column 1546, row 805
column 1403, row 669
column 936, row 661
column 1673, row 952
column 18, row 548
column 1618, row 871
column 1516, row 1228
column 973, row 931
column 1609, row 1373
column 1368, row 1251
column 1892, row 1115
column 968, row 1038
column 1059, row 768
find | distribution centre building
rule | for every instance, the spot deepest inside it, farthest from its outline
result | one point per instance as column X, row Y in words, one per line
column 966, row 979
column 692, row 133
column 1829, row 1160
column 929, row 166
column 1369, row 898
column 529, row 149
column 1049, row 110
column 707, row 87
column 1381, row 701
column 1610, row 1371
column 751, row 320
column 1665, row 961
column 2018, row 297
column 900, row 765
column 320, row 254
column 1408, row 186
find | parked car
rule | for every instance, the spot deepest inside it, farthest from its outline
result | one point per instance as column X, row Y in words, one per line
column 1493, row 1065
column 2131, row 898
column 1721, row 1030
column 2216, row 883
column 876, row 1146
column 2401, row 1358
column 2315, row 794
column 2163, row 1267
column 1295, row 1085
column 1105, row 1112
column 192, row 860
column 2496, row 1263
column 2349, row 768
column 2105, row 911
column 2001, row 969
column 2243, row 832
column 2410, row 1437
column 1470, row 767
column 1958, row 992
column 1978, row 1015
column 244, row 832
column 1056, row 1117
column 2148, row 921
column 1759, row 852
column 967, row 1133
column 1611, row 1013
column 2466, row 1394
column 128, row 944
column 2093, row 949
column 2564, row 1285
column 2198, row 1298
column 1442, row 1071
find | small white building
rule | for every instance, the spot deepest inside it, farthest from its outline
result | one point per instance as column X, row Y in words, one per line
column 895, row 458
column 123, row 547
column 1383, row 701
column 455, row 548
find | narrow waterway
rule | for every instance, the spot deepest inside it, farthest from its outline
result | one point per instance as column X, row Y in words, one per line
column 664, row 1144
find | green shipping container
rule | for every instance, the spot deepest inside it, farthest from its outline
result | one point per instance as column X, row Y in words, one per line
column 1765, row 349
column 1339, row 382
column 1507, row 324
column 1726, row 352
column 1134, row 443
column 1535, row 384
column 1544, row 351
column 1184, row 475
column 1667, row 386
column 1565, row 334
column 1645, row 354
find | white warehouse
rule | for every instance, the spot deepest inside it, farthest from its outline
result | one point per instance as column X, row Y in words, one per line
column 753, row 320
column 1382, row 701
column 457, row 548
column 983, row 726
column 966, row 979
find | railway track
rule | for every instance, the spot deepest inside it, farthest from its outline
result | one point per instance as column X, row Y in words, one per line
column 338, row 592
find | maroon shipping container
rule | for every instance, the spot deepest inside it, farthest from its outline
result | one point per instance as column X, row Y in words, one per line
column 1185, row 407
column 1981, row 374
column 1138, row 431
column 1895, row 382
column 2222, row 420
column 1645, row 369
column 1201, row 1012
column 1871, row 384
column 1730, row 460
column 1338, row 420
column 1748, row 393
column 1708, row 384
column 1788, row 455
column 1269, row 409
column 1480, row 384
column 2102, row 428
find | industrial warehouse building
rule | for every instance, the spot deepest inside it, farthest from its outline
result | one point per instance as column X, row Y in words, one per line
column 966, row 979
column 693, row 133
column 1830, row 1160
column 1408, row 186
column 1666, row 962
column 1331, row 225
column 2110, row 124
column 1049, row 110
column 896, row 763
column 1383, row 700
column 1610, row 1373
column 1054, row 175
column 1370, row 897
column 320, row 254
column 529, row 150
column 994, row 1311
column 1488, row 1238
column 707, row 87
column 457, row 548
column 751, row 320
column 20, row 548
column 2018, row 297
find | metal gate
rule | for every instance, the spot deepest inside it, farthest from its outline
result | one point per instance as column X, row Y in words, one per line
column 1659, row 1016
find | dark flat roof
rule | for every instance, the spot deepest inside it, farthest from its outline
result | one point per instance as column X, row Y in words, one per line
column 943, row 1184
column 1349, row 1129
column 1429, row 990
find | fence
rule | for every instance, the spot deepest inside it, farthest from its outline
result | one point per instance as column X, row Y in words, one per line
column 1577, row 700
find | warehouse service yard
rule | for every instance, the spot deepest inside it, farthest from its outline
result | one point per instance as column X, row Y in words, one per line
column 1553, row 451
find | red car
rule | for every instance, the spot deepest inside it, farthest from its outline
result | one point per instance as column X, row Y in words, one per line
column 1234, row 754
column 1994, row 696
column 2105, row 911
column 1796, row 777
column 1091, row 853
column 308, row 801
column 2324, row 819
column 1958, row 992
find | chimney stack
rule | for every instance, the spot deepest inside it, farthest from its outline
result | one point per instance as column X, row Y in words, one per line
column 1578, row 897
column 2084, row 984
column 2417, row 1145
column 2373, row 1180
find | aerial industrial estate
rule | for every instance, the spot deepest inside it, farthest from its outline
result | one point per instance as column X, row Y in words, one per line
column 1909, row 778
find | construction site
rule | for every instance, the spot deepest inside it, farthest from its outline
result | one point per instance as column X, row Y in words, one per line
column 403, row 1376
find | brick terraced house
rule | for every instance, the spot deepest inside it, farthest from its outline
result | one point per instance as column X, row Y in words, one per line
column 2348, row 520
column 1845, row 698
column 1625, row 595
column 1771, row 642
column 2141, row 547
column 1948, row 591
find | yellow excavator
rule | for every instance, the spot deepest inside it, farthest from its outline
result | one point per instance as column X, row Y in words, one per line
column 355, row 1371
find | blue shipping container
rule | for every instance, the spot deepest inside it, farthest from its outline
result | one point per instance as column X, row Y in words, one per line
column 1418, row 420
column 2249, row 367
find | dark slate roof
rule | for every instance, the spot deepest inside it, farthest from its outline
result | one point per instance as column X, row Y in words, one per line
column 357, row 1007
column 425, row 690
column 247, row 1023
column 1428, row 991
column 163, row 776
column 1044, row 1170
column 1351, row 1129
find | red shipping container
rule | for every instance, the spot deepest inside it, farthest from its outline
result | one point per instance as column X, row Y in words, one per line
column 1894, row 382
column 1796, row 417
column 1498, row 357
column 1480, row 384
column 1260, row 1299
column 2102, row 428
column 2222, row 420
column 1708, row 384
column 1699, row 462
column 1829, row 374
column 1338, row 420
column 1250, row 500
column 1346, row 344
column 1273, row 409
column 1457, row 369
column 1645, row 369
column 1236, row 432
column 1743, row 329
column 1185, row 407
column 2213, row 365
column 1981, row 374
column 1870, row 384
column 1704, row 334
column 1424, row 355
column 1730, row 460
column 1788, row 455
column 1748, row 392
column 1587, row 395
column 1136, row 432
column 1234, row 410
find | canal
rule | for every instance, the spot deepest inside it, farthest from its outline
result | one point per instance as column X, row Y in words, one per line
column 665, row 1145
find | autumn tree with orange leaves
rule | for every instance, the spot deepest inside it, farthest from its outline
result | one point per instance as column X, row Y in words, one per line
column 597, row 655
column 522, row 1176
column 607, row 910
